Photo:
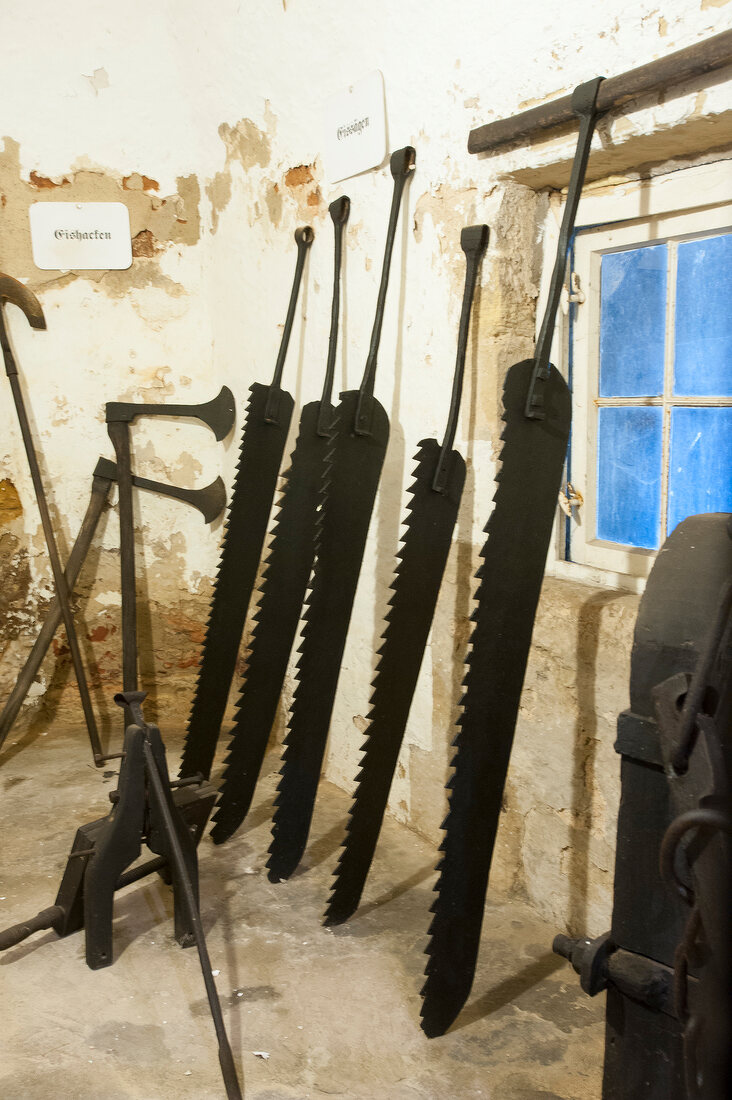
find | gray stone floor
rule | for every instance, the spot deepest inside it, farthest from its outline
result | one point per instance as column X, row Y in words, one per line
column 310, row 1012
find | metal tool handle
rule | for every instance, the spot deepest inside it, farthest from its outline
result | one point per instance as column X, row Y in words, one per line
column 119, row 433
column 9, row 937
column 304, row 237
column 339, row 211
column 402, row 165
column 473, row 241
column 18, row 295
column 218, row 413
column 584, row 102
column 158, row 794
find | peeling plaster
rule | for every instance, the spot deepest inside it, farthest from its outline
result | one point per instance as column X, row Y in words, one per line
column 10, row 506
column 273, row 202
column 155, row 222
column 245, row 143
column 99, row 80
column 302, row 183
column 449, row 209
column 248, row 147
column 218, row 192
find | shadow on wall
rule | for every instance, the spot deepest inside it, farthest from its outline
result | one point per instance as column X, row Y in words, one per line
column 584, row 758
column 388, row 505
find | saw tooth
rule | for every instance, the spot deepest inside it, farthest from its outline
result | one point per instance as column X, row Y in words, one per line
column 219, row 649
column 283, row 599
column 273, row 863
column 219, row 565
column 460, row 895
column 383, row 741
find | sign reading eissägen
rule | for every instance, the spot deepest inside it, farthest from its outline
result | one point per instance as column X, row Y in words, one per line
column 80, row 236
column 354, row 128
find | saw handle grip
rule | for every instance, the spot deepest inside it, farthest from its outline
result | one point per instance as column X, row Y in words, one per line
column 402, row 162
column 402, row 165
column 473, row 241
column 339, row 211
column 304, row 237
column 9, row 937
column 584, row 106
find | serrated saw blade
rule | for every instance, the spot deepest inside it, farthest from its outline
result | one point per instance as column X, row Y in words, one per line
column 260, row 456
column 284, row 582
column 429, row 526
column 514, row 557
column 354, row 468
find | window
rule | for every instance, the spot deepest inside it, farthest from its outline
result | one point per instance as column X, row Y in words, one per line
column 648, row 344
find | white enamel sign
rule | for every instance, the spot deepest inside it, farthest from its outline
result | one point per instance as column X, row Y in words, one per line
column 78, row 236
column 355, row 128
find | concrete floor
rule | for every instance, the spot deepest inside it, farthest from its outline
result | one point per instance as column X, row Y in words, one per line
column 310, row 1012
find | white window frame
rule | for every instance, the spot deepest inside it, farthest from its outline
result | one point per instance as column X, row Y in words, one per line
column 688, row 202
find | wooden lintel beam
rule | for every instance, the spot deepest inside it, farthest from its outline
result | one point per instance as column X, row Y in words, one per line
column 703, row 57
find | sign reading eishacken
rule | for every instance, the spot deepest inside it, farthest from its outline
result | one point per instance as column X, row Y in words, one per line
column 80, row 236
column 355, row 128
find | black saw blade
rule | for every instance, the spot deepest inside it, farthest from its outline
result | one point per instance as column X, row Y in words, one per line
column 260, row 456
column 514, row 557
column 429, row 525
column 354, row 467
column 284, row 582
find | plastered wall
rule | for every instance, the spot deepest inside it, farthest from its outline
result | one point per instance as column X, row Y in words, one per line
column 205, row 121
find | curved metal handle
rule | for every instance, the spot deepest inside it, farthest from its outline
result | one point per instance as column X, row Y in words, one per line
column 402, row 165
column 339, row 211
column 473, row 241
column 18, row 295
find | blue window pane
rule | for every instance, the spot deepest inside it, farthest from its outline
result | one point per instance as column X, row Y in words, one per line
column 703, row 350
column 700, row 470
column 629, row 475
column 633, row 322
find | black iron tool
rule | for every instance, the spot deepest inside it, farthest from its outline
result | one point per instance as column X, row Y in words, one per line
column 149, row 809
column 19, row 295
column 170, row 823
column 537, row 412
column 218, row 414
column 193, row 801
column 284, row 582
column 351, row 478
column 145, row 807
column 439, row 477
column 263, row 439
column 666, row 962
column 210, row 501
